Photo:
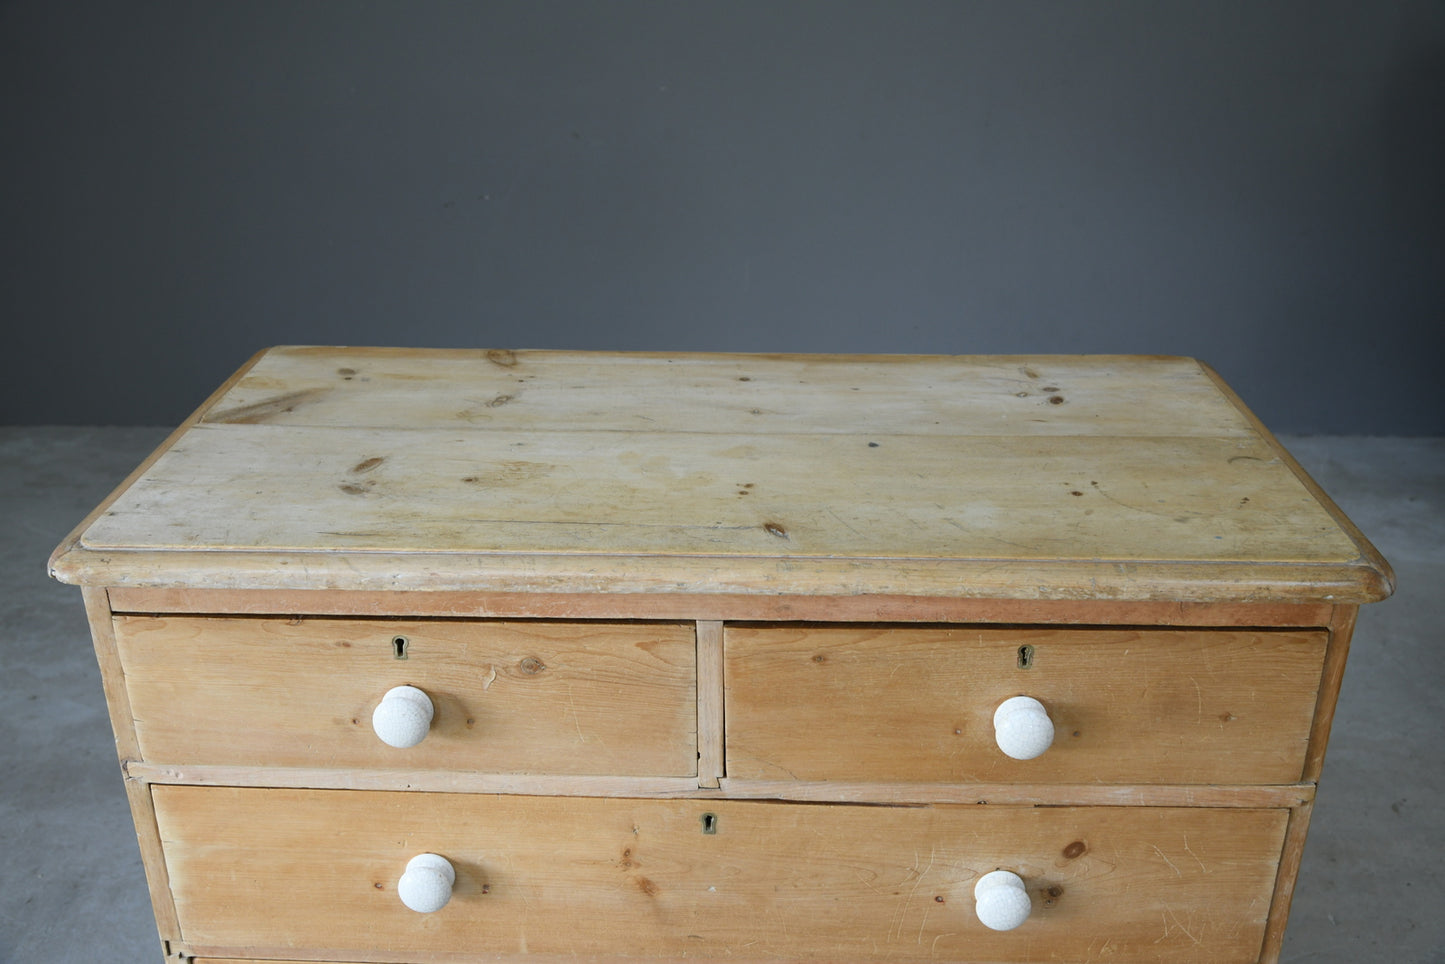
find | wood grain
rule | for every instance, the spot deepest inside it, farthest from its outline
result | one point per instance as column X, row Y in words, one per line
column 1341, row 629
column 917, row 476
column 833, row 791
column 916, row 705
column 727, row 393
column 1289, row 867
column 272, row 870
column 138, row 796
column 1368, row 553
column 711, row 754
column 616, row 699
column 821, row 608
column 639, row 494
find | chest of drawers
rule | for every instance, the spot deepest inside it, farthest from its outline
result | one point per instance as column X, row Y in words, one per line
column 443, row 656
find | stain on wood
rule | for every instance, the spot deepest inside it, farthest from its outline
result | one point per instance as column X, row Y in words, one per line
column 266, row 409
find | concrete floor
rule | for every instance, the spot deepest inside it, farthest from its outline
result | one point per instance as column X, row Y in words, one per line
column 71, row 885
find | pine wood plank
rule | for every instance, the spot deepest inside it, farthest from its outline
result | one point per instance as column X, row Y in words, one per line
column 525, row 698
column 542, row 391
column 1171, row 583
column 711, row 755
column 1341, row 630
column 71, row 543
column 138, row 797
column 1289, row 867
column 880, row 704
column 112, row 677
column 1113, row 492
column 1368, row 553
column 823, row 608
column 833, row 791
column 319, row 490
column 1200, row 520
column 280, row 870
column 1021, row 794
column 422, row 781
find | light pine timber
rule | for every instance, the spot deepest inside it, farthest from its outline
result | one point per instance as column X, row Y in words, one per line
column 258, row 872
column 510, row 697
column 72, row 541
column 1368, row 553
column 711, row 754
column 833, row 791
column 137, row 793
column 861, row 704
column 1289, row 867
column 589, row 501
column 1071, row 492
column 536, row 391
column 825, row 608
column 1341, row 629
column 1110, row 492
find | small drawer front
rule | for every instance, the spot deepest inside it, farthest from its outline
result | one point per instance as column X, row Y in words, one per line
column 508, row 697
column 277, row 873
column 884, row 704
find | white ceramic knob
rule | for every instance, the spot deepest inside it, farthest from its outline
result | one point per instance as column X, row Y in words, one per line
column 427, row 884
column 403, row 716
column 1022, row 728
column 1001, row 901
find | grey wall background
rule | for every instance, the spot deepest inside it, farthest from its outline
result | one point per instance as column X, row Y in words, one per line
column 1260, row 184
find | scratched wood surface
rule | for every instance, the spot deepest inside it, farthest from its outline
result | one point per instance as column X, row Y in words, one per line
column 726, row 393
column 522, row 698
column 271, row 873
column 1050, row 477
column 867, row 703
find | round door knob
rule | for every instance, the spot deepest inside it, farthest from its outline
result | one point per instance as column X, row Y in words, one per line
column 1022, row 728
column 403, row 716
column 427, row 884
column 1002, row 903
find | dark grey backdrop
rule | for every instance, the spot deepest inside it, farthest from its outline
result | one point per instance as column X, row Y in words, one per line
column 1259, row 184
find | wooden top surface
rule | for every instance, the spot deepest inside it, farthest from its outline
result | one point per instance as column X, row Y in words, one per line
column 1000, row 477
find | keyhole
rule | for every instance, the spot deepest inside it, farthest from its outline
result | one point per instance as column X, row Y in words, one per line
column 709, row 823
column 1026, row 657
column 398, row 646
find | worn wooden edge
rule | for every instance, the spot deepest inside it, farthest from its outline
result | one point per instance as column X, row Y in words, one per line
column 153, row 859
column 215, row 954
column 64, row 558
column 1341, row 630
column 1284, row 883
column 1020, row 794
column 509, row 356
column 426, row 781
column 112, row 673
column 1377, row 577
column 775, row 607
column 1117, row 580
column 884, row 794
column 711, row 754
column 122, row 723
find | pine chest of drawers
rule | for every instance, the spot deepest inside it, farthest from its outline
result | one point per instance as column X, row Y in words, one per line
column 529, row 656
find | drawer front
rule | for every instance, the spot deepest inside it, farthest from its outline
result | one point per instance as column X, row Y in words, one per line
column 277, row 873
column 917, row 705
column 508, row 697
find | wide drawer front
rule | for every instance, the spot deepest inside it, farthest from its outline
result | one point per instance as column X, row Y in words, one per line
column 508, row 697
column 277, row 873
column 857, row 703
